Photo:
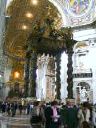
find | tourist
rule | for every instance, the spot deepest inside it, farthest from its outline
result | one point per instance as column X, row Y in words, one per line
column 80, row 117
column 47, row 115
column 87, row 115
column 36, row 116
column 53, row 116
column 71, row 120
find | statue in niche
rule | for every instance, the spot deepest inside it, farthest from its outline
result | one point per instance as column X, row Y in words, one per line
column 83, row 95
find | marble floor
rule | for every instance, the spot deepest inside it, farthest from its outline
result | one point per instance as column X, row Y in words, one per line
column 15, row 122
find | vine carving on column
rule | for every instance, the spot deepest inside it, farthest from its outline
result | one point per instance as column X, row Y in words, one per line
column 27, row 67
column 33, row 67
column 58, row 80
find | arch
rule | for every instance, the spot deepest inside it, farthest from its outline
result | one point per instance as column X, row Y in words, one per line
column 8, row 3
column 83, row 91
column 80, row 44
column 56, row 3
column 60, row 9
column 84, row 85
column 24, row 25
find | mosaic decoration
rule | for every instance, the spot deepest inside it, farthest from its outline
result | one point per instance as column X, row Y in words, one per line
column 80, row 12
column 76, row 12
column 78, row 8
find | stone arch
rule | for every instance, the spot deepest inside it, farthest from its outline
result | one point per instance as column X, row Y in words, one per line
column 80, row 44
column 83, row 91
column 16, row 24
column 56, row 3
column 84, row 85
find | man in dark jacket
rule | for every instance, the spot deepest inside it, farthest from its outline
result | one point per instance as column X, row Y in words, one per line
column 48, row 115
column 52, row 116
column 71, row 120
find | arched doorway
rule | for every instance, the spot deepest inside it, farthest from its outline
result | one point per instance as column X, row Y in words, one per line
column 83, row 92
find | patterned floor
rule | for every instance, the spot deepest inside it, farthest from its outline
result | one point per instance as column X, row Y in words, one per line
column 15, row 122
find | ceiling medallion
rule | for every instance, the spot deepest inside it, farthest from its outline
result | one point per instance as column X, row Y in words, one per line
column 79, row 8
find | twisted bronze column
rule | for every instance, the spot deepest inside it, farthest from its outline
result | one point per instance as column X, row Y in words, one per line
column 33, row 67
column 70, row 75
column 26, row 78
column 69, row 48
column 58, row 80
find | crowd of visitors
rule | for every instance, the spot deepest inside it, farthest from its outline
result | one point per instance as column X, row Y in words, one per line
column 53, row 114
column 59, row 115
column 14, row 108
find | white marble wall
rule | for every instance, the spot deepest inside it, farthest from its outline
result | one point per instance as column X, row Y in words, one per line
column 85, row 63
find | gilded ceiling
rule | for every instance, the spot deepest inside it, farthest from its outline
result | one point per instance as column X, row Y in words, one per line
column 24, row 16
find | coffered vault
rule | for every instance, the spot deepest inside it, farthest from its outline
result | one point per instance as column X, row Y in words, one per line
column 24, row 16
column 74, row 13
column 57, row 3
